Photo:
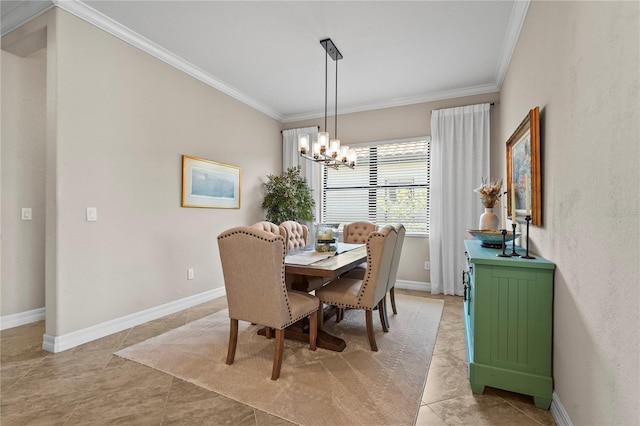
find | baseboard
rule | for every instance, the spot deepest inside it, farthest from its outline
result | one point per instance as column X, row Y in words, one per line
column 70, row 340
column 413, row 285
column 558, row 412
column 22, row 318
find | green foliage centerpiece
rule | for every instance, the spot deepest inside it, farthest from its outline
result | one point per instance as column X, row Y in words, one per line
column 288, row 197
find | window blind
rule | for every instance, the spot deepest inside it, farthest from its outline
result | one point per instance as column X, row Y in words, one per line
column 390, row 184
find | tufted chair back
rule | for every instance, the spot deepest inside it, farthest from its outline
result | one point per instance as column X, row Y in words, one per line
column 357, row 232
column 253, row 269
column 297, row 234
column 271, row 227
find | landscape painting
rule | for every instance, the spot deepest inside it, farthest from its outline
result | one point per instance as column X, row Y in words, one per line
column 209, row 184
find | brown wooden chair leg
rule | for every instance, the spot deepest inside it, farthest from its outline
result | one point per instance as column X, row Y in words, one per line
column 321, row 316
column 382, row 308
column 393, row 301
column 233, row 341
column 372, row 337
column 277, row 357
column 268, row 333
column 313, row 330
column 339, row 314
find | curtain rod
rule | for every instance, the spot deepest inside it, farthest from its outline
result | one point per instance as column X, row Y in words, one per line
column 491, row 104
column 297, row 128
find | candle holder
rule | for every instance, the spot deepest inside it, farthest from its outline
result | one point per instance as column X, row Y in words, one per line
column 526, row 256
column 504, row 244
column 513, row 245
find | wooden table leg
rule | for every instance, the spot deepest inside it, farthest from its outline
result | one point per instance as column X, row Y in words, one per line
column 300, row 331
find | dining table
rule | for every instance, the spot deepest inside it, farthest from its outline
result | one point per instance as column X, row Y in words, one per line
column 308, row 270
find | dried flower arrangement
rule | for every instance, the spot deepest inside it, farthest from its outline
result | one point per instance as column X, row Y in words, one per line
column 489, row 192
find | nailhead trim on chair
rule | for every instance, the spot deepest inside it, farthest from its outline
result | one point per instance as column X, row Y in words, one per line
column 365, row 281
column 272, row 238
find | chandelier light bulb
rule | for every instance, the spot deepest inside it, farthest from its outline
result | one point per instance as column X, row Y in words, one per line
column 344, row 154
column 353, row 158
column 323, row 140
column 335, row 147
column 303, row 143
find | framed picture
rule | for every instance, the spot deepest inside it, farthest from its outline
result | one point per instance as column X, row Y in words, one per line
column 209, row 184
column 523, row 170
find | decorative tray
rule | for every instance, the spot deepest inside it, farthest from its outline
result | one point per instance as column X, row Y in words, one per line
column 491, row 238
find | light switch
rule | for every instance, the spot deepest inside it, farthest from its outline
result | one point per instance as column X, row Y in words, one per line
column 26, row 213
column 92, row 214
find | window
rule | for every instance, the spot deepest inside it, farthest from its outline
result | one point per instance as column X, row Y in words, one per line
column 390, row 184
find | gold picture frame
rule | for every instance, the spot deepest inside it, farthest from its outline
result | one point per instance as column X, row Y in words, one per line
column 523, row 160
column 209, row 184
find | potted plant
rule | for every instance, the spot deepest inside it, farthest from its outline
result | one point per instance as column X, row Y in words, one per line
column 288, row 197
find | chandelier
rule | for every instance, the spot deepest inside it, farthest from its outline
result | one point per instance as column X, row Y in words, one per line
column 324, row 150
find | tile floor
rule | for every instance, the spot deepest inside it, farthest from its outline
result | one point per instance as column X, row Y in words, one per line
column 88, row 385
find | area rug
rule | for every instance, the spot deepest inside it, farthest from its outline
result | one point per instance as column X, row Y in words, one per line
column 356, row 386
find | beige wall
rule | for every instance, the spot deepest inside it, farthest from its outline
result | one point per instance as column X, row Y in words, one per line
column 397, row 123
column 23, row 181
column 119, row 121
column 579, row 62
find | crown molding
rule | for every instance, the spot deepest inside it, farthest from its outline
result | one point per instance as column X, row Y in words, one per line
column 409, row 100
column 516, row 21
column 16, row 18
column 92, row 16
column 21, row 13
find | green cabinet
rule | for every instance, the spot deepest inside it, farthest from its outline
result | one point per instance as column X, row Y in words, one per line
column 508, row 312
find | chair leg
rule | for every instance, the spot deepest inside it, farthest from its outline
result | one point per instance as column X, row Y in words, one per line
column 372, row 337
column 277, row 357
column 382, row 308
column 339, row 314
column 393, row 301
column 268, row 332
column 321, row 316
column 233, row 341
column 313, row 330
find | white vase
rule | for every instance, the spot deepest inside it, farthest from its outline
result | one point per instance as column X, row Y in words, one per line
column 488, row 219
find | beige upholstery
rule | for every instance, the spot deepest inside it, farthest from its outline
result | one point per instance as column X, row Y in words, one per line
column 395, row 262
column 297, row 234
column 271, row 227
column 253, row 268
column 357, row 232
column 368, row 293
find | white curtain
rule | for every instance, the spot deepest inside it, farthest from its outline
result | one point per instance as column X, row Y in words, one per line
column 308, row 169
column 460, row 143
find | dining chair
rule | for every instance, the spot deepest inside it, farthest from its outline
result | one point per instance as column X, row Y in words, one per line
column 367, row 293
column 253, row 269
column 271, row 227
column 393, row 273
column 356, row 233
column 297, row 234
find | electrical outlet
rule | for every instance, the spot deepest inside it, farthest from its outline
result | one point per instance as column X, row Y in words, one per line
column 92, row 214
column 427, row 266
column 189, row 274
column 26, row 213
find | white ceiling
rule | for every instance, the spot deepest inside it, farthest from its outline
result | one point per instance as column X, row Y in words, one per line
column 267, row 53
